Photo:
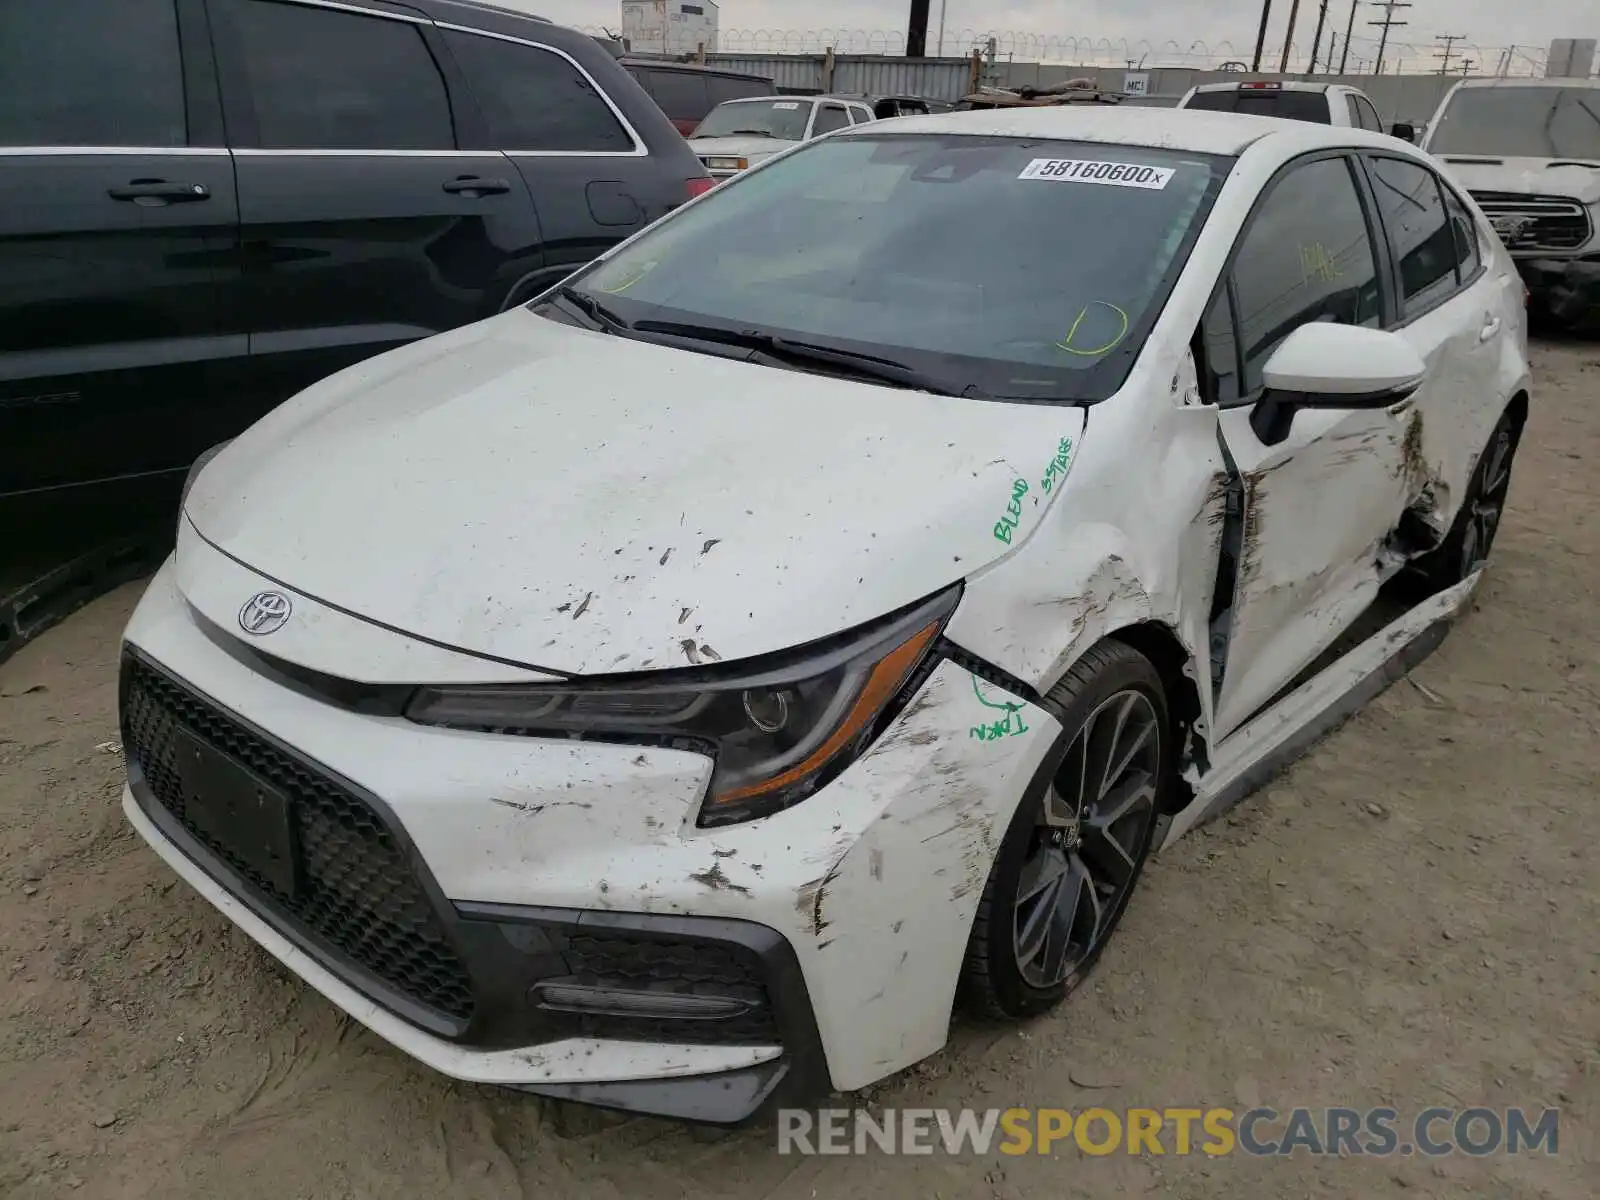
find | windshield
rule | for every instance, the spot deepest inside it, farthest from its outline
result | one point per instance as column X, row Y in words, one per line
column 1526, row 122
column 1023, row 270
column 784, row 119
column 1266, row 102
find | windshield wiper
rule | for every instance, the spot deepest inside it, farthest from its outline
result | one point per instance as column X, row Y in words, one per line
column 801, row 354
column 748, row 133
column 593, row 309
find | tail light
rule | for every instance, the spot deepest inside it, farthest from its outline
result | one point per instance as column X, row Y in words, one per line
column 1262, row 85
column 700, row 185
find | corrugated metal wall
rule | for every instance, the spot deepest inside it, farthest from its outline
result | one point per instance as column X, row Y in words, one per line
column 1397, row 97
column 853, row 74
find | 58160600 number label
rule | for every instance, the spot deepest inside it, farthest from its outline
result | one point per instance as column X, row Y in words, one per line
column 1110, row 174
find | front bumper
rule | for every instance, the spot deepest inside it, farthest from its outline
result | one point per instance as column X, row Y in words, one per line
column 448, row 875
column 1568, row 289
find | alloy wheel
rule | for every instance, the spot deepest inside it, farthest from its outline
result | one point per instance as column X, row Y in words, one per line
column 1487, row 503
column 1085, row 852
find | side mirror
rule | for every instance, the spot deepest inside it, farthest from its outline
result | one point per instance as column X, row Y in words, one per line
column 1404, row 130
column 1324, row 365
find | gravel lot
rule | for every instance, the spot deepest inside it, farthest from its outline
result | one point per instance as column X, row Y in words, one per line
column 1409, row 918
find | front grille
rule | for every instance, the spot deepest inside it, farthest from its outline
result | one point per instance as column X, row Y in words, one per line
column 682, row 968
column 358, row 898
column 1548, row 222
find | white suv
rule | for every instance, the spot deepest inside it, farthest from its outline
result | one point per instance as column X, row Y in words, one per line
column 1529, row 152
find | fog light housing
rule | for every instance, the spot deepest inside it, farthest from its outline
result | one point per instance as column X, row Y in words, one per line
column 587, row 1000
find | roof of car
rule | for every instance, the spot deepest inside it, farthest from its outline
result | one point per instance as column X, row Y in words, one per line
column 1181, row 129
column 663, row 64
column 1286, row 85
column 1194, row 131
column 808, row 98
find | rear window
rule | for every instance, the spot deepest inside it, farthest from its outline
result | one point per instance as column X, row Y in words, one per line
column 727, row 87
column 1293, row 106
column 681, row 95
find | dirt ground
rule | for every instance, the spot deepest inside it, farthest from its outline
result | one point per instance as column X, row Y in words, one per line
column 1411, row 917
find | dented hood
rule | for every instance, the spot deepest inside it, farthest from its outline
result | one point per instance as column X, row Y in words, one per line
column 587, row 504
column 1577, row 179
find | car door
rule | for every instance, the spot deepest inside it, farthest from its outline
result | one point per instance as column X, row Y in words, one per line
column 585, row 166
column 118, row 249
column 1320, row 502
column 365, row 225
column 1452, row 313
column 827, row 117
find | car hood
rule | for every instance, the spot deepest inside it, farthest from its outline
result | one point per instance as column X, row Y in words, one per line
column 1526, row 176
column 739, row 147
column 580, row 503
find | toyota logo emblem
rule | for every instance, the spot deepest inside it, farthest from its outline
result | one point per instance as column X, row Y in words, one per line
column 264, row 613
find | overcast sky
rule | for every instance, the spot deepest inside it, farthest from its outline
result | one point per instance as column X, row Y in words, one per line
column 1488, row 23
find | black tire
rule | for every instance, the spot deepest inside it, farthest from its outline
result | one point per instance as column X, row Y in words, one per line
column 1466, row 547
column 1001, row 977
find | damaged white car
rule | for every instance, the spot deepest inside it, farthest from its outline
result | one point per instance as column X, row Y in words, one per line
column 680, row 693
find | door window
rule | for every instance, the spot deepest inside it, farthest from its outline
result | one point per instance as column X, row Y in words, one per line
column 328, row 80
column 88, row 73
column 829, row 118
column 535, row 99
column 1307, row 257
column 1418, row 229
column 1465, row 231
column 1366, row 115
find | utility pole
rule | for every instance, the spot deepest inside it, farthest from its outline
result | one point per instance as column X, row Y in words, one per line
column 1348, row 29
column 1261, row 34
column 1316, row 42
column 1466, row 66
column 1444, row 56
column 1288, row 36
column 942, row 4
column 917, row 30
column 1388, row 23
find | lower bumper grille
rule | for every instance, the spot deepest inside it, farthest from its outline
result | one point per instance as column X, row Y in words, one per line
column 358, row 897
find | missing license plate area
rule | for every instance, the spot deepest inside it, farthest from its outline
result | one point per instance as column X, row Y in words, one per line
column 234, row 808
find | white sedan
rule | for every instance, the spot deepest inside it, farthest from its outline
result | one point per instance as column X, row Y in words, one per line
column 678, row 693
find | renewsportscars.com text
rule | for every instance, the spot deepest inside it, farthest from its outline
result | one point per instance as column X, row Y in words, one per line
column 1259, row 1132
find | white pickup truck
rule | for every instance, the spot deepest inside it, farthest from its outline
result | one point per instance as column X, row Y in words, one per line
column 1529, row 152
column 1320, row 103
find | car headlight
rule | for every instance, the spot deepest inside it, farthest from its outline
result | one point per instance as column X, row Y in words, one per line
column 779, row 728
column 727, row 164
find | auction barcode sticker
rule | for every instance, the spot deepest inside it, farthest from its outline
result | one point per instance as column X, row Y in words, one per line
column 1113, row 174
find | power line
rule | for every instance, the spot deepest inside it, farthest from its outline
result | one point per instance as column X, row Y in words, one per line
column 1444, row 56
column 1388, row 22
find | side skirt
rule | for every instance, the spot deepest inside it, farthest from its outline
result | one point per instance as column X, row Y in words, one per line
column 1261, row 750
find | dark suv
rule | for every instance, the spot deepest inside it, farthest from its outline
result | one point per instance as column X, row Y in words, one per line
column 206, row 205
column 686, row 92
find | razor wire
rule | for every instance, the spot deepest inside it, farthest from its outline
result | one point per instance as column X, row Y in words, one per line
column 1360, row 57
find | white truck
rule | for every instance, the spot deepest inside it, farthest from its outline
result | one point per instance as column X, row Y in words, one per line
column 1320, row 103
column 1529, row 152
